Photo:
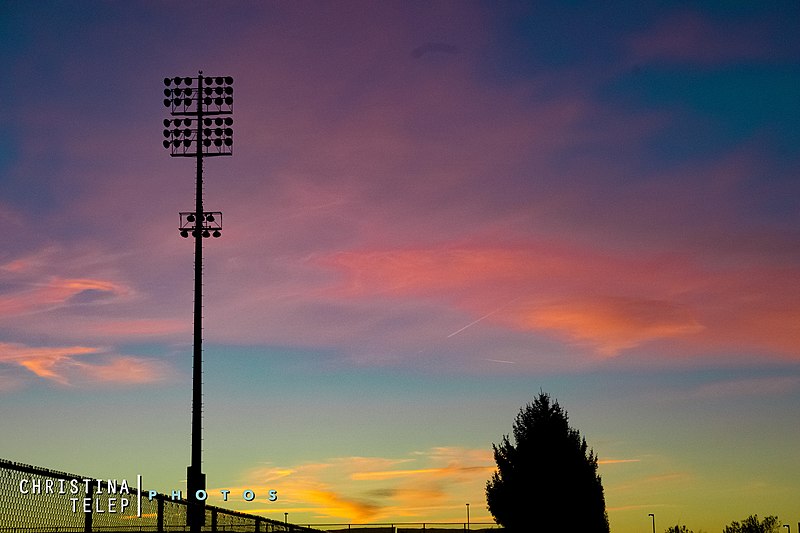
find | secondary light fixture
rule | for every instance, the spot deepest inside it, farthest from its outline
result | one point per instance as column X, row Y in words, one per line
column 200, row 126
column 210, row 226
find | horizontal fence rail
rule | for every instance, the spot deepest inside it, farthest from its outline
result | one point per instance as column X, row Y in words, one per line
column 40, row 500
column 407, row 527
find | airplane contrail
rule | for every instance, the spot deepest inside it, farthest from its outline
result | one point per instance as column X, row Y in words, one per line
column 474, row 322
column 484, row 317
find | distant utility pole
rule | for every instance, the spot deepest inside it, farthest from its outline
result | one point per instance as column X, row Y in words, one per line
column 201, row 108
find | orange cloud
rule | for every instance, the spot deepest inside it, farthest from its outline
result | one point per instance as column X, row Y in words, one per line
column 432, row 483
column 332, row 503
column 617, row 461
column 613, row 324
column 425, row 472
column 70, row 365
column 44, row 362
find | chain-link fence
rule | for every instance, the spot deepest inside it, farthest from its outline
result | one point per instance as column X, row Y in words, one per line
column 39, row 500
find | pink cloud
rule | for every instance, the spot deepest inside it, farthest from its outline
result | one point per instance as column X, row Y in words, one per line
column 752, row 387
column 613, row 324
column 44, row 362
column 691, row 37
column 123, row 369
column 25, row 264
column 88, row 292
column 83, row 365
column 612, row 302
column 138, row 328
column 54, row 292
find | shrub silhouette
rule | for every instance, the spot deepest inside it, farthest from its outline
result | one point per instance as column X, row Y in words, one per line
column 678, row 529
column 752, row 524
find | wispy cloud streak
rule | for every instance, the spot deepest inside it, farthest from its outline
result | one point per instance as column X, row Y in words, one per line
column 83, row 365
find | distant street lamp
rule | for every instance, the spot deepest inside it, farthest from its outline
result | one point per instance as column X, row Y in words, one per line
column 653, row 516
column 285, row 518
column 467, row 516
column 201, row 108
column 788, row 528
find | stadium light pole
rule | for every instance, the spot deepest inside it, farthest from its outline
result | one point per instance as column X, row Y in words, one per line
column 201, row 108
column 653, row 516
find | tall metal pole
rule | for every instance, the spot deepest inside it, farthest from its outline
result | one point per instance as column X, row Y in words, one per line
column 195, row 479
column 195, row 104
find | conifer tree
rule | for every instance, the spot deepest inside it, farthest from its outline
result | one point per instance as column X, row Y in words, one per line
column 547, row 477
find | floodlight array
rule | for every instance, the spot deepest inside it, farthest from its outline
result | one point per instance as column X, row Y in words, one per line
column 215, row 136
column 202, row 106
column 213, row 95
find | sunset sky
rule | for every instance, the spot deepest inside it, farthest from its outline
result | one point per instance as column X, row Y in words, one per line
column 434, row 210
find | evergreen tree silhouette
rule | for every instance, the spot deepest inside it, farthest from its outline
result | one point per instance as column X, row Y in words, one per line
column 548, row 477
